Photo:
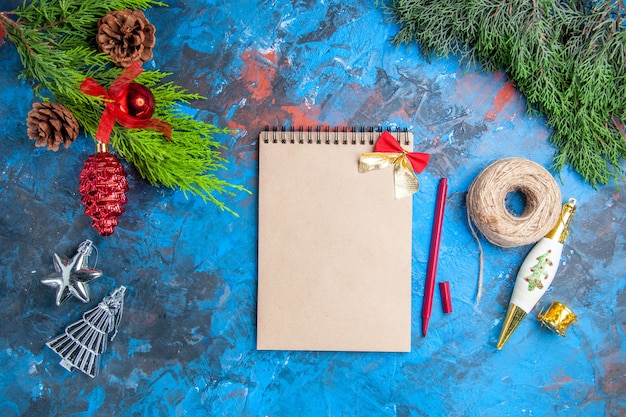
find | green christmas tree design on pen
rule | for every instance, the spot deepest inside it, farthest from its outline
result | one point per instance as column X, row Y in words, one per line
column 538, row 272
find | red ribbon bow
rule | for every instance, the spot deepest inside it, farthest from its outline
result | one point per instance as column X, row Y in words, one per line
column 116, row 97
column 387, row 143
column 388, row 152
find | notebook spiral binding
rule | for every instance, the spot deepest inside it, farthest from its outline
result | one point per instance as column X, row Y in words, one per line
column 327, row 135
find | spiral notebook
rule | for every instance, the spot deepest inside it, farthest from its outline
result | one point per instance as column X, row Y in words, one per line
column 334, row 245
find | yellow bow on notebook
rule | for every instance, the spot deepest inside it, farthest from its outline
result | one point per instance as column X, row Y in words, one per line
column 387, row 152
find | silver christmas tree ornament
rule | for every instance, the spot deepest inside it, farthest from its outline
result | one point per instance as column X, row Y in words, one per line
column 72, row 275
column 82, row 343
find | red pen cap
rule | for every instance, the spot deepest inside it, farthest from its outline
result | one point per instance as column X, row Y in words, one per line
column 446, row 300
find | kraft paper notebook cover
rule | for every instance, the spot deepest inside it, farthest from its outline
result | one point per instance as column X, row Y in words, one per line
column 334, row 246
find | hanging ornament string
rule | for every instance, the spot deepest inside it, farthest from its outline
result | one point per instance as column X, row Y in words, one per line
column 486, row 205
column 117, row 106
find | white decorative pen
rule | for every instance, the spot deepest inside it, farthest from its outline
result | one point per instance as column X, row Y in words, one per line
column 537, row 272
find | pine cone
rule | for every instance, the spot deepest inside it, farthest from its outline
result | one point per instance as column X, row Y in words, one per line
column 127, row 36
column 50, row 123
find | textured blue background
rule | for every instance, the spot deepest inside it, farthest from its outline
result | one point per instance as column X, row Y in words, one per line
column 186, row 346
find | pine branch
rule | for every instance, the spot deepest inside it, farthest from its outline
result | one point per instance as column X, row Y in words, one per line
column 567, row 57
column 55, row 42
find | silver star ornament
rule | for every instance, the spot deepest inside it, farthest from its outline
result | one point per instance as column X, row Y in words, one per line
column 71, row 276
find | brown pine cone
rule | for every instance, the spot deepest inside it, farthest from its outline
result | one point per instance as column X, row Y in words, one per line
column 127, row 36
column 51, row 124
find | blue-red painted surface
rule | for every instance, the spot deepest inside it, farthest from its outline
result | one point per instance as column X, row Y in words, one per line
column 186, row 345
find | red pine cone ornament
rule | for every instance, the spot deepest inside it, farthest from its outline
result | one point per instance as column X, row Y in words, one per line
column 103, row 186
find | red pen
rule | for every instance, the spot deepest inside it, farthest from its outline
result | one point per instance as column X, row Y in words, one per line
column 433, row 256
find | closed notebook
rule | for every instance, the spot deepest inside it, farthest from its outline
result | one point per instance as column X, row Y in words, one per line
column 334, row 246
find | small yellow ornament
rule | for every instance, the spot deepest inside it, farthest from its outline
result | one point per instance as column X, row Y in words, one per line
column 558, row 317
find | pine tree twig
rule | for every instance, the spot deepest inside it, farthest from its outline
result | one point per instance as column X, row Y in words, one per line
column 54, row 40
column 567, row 58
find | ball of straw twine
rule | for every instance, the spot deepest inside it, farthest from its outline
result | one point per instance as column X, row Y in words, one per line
column 486, row 204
